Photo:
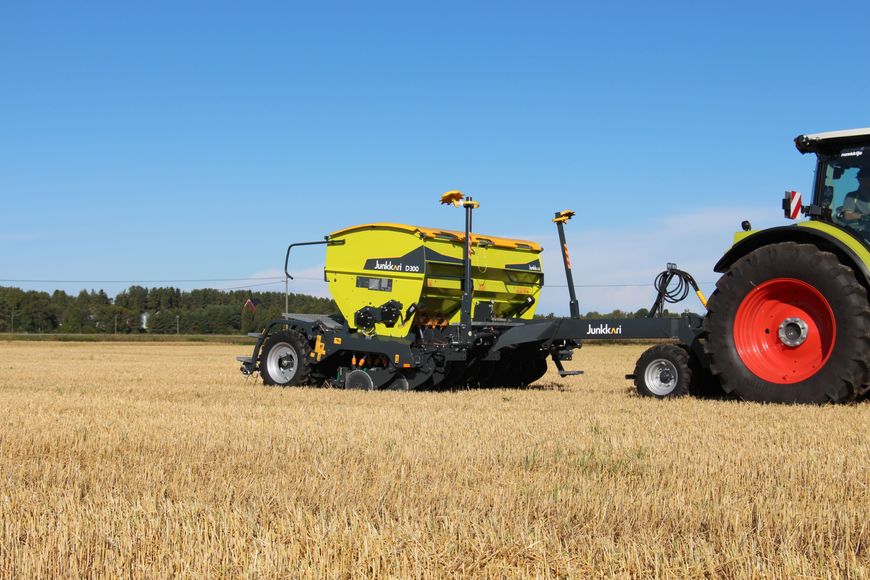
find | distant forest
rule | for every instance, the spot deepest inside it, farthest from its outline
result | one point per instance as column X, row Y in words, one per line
column 153, row 310
column 169, row 310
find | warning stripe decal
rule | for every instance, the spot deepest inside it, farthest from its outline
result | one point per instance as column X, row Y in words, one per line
column 796, row 204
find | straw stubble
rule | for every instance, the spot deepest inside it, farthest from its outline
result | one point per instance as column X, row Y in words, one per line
column 160, row 459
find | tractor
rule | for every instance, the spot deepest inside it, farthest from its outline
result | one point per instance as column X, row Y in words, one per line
column 789, row 320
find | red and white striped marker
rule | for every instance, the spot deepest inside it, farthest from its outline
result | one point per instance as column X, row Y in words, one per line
column 795, row 204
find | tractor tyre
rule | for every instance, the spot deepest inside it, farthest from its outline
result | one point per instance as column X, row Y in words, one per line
column 284, row 359
column 788, row 323
column 704, row 385
column 663, row 371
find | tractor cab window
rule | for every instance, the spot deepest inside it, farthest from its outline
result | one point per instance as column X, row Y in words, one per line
column 846, row 190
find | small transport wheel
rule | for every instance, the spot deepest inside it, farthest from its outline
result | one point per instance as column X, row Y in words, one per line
column 284, row 359
column 663, row 371
column 788, row 323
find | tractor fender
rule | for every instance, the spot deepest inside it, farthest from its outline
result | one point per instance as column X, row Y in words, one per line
column 805, row 235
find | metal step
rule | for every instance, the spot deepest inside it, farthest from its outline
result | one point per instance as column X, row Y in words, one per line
column 245, row 359
column 557, row 360
column 255, row 334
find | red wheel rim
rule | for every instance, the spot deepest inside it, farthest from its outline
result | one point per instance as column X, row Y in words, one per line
column 777, row 304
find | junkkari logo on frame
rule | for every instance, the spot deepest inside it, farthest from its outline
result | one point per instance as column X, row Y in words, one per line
column 604, row 329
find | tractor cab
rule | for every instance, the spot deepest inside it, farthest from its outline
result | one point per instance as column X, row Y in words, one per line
column 842, row 185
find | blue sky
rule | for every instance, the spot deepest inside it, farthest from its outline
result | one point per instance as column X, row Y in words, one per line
column 183, row 140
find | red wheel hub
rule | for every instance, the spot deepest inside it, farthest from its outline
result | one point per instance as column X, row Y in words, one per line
column 784, row 331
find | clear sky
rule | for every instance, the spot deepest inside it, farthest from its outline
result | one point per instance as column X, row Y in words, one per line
column 165, row 141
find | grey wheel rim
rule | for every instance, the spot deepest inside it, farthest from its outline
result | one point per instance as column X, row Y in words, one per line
column 661, row 377
column 282, row 362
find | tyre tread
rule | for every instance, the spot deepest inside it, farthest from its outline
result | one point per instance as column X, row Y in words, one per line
column 303, row 349
column 848, row 377
column 677, row 355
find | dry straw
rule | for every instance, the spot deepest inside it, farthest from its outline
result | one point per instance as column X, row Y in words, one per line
column 154, row 460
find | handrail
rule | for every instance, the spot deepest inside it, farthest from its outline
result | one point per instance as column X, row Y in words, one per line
column 288, row 277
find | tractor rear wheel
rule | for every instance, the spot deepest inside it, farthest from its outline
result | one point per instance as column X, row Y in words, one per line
column 788, row 323
column 284, row 359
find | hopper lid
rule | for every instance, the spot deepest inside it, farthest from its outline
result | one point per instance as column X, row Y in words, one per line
column 435, row 233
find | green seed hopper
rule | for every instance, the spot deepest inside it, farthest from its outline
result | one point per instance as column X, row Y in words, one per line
column 373, row 268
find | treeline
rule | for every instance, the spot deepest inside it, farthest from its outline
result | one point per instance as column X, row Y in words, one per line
column 154, row 310
column 169, row 310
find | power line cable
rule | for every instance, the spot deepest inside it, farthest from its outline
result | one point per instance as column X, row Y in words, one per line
column 176, row 281
column 133, row 281
column 268, row 280
column 250, row 286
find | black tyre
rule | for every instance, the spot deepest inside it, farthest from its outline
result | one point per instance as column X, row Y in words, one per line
column 704, row 385
column 788, row 323
column 284, row 359
column 662, row 371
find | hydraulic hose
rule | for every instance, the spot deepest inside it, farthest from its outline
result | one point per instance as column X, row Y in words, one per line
column 669, row 292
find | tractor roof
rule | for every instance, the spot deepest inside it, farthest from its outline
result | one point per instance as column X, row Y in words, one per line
column 832, row 141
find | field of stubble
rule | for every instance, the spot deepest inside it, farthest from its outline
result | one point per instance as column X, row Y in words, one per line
column 150, row 460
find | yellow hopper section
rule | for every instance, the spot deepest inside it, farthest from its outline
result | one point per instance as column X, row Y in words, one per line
column 375, row 263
